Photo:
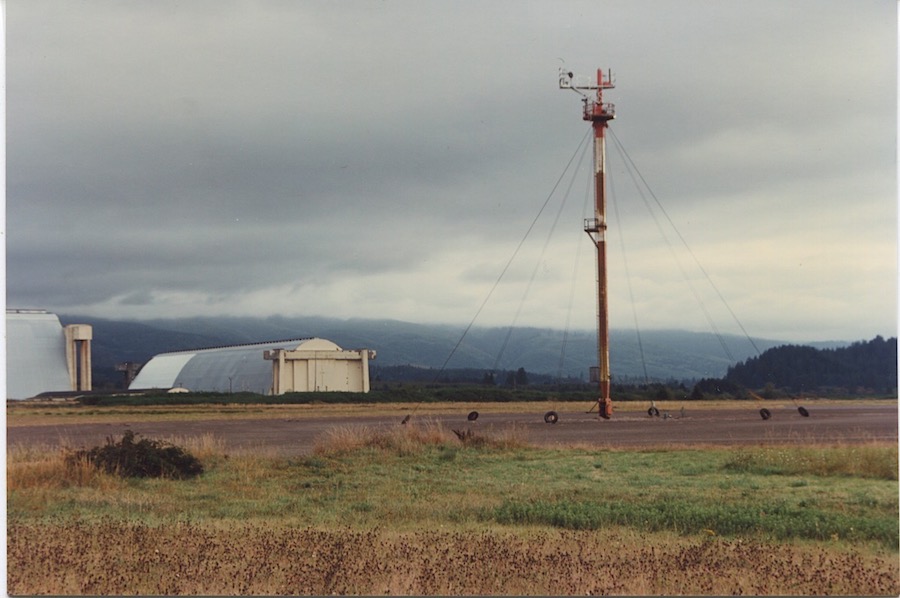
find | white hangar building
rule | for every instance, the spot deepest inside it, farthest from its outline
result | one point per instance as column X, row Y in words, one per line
column 44, row 356
column 299, row 365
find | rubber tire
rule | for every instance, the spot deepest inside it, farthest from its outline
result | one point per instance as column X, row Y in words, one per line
column 765, row 413
column 653, row 412
column 551, row 417
column 473, row 415
column 803, row 411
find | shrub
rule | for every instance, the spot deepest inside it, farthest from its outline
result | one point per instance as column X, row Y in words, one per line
column 143, row 459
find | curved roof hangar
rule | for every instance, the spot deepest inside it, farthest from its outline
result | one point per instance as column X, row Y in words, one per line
column 238, row 368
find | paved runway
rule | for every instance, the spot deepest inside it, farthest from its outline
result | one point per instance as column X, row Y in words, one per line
column 728, row 426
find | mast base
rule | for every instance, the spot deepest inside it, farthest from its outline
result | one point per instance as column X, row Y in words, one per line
column 605, row 406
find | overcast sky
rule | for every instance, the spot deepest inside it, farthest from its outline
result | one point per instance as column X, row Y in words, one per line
column 384, row 159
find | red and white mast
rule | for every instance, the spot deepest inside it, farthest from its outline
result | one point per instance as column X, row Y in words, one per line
column 599, row 114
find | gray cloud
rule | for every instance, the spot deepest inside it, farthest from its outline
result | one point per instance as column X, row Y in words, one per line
column 384, row 159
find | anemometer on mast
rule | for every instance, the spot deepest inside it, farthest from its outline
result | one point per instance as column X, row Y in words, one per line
column 599, row 114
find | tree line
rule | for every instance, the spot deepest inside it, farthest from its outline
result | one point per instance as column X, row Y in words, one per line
column 862, row 368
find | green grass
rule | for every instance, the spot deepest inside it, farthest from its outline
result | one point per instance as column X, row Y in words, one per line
column 782, row 520
column 425, row 478
column 857, row 460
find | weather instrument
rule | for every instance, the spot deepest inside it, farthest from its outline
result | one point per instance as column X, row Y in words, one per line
column 599, row 114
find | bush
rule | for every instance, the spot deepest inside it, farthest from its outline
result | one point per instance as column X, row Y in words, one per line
column 142, row 459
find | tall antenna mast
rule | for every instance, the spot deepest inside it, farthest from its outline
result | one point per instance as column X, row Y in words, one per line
column 599, row 114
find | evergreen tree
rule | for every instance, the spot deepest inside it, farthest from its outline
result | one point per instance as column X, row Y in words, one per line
column 521, row 377
column 862, row 367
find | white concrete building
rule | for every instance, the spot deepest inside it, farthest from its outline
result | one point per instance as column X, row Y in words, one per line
column 43, row 356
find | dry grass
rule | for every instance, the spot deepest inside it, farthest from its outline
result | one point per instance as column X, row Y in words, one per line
column 122, row 558
column 30, row 467
column 876, row 460
column 412, row 438
column 39, row 467
column 205, row 447
column 246, row 528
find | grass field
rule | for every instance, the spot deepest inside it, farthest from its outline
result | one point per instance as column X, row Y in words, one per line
column 418, row 511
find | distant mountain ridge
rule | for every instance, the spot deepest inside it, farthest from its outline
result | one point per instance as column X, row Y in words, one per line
column 667, row 354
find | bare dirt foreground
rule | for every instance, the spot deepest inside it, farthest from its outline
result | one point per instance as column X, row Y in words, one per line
column 296, row 435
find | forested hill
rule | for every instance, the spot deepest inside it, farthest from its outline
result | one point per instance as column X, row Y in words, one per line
column 866, row 365
column 417, row 350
